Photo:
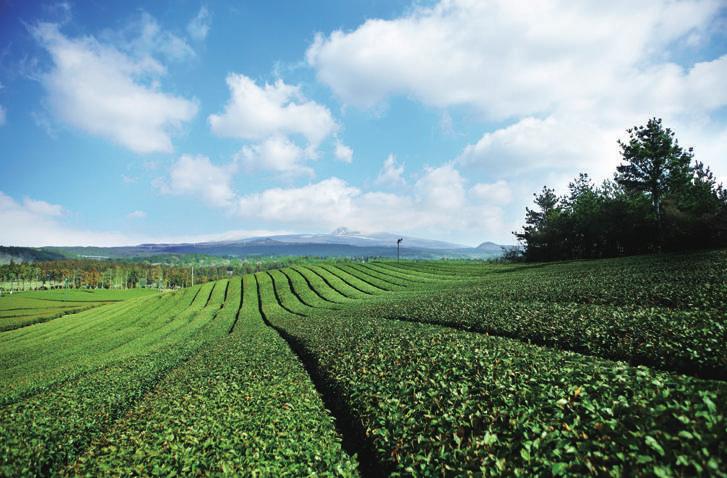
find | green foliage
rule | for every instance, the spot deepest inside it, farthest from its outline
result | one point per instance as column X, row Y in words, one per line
column 59, row 416
column 27, row 308
column 244, row 404
column 654, row 163
column 667, row 312
column 428, row 369
column 160, row 272
column 660, row 199
column 440, row 402
column 26, row 254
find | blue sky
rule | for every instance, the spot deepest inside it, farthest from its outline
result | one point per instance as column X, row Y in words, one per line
column 177, row 121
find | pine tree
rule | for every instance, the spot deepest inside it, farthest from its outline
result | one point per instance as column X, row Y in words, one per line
column 654, row 164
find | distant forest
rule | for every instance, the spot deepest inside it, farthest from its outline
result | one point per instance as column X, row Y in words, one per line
column 110, row 274
column 660, row 199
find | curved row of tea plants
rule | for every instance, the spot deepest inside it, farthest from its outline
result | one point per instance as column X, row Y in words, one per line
column 435, row 401
column 232, row 380
column 691, row 342
column 42, row 432
column 589, row 310
column 60, row 350
column 696, row 281
column 242, row 406
column 440, row 401
column 27, row 308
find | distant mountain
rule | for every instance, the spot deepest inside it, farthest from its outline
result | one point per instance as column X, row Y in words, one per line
column 490, row 247
column 343, row 235
column 26, row 254
column 342, row 242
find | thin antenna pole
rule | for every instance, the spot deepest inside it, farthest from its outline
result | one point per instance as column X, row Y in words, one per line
column 397, row 248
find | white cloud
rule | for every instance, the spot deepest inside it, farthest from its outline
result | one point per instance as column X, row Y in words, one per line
column 3, row 115
column 145, row 37
column 343, row 152
column 99, row 89
column 197, row 176
column 569, row 77
column 136, row 215
column 277, row 154
column 391, row 173
column 533, row 145
column 329, row 201
column 24, row 224
column 42, row 208
column 438, row 205
column 199, row 26
column 258, row 112
column 36, row 223
column 276, row 116
column 498, row 193
column 442, row 188
column 503, row 58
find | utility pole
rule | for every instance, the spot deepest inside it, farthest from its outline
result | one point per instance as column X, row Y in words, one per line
column 398, row 242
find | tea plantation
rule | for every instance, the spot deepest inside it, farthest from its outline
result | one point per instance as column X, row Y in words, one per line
column 590, row 368
column 24, row 308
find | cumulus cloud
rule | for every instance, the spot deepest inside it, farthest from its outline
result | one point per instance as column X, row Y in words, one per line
column 498, row 193
column 343, row 152
column 42, row 208
column 199, row 26
column 329, row 201
column 533, row 145
column 438, row 205
column 276, row 154
column 103, row 91
column 392, row 173
column 25, row 223
column 275, row 116
column 566, row 78
column 504, row 58
column 3, row 115
column 258, row 112
column 197, row 176
column 442, row 188
column 37, row 223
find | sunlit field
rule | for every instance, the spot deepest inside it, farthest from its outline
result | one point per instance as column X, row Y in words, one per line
column 612, row 367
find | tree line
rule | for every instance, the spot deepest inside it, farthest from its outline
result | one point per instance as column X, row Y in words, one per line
column 659, row 199
column 110, row 274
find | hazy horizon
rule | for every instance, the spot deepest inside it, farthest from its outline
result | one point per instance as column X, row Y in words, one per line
column 233, row 236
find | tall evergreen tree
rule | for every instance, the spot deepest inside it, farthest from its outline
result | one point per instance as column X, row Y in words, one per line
column 536, row 233
column 654, row 164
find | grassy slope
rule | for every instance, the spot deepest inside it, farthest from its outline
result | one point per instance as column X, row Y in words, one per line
column 32, row 307
column 428, row 368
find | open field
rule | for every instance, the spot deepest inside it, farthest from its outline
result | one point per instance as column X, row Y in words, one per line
column 604, row 368
column 31, row 307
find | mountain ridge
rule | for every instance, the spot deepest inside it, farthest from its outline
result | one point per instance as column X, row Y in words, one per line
column 341, row 242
